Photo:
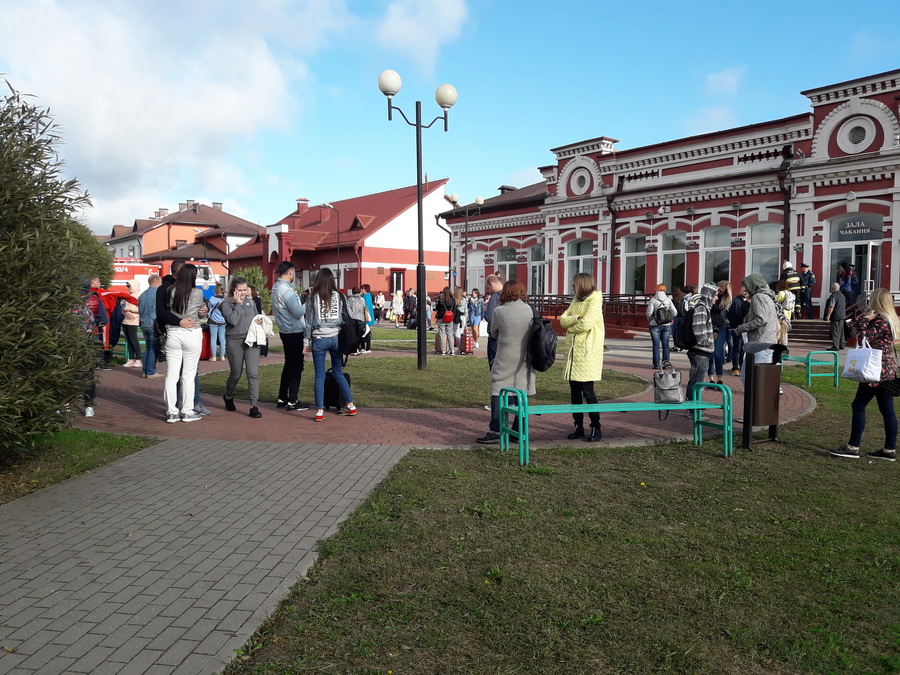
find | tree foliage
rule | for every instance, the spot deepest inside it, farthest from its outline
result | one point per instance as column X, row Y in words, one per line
column 46, row 359
column 255, row 277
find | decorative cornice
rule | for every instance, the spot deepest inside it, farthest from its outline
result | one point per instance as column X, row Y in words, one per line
column 603, row 145
column 847, row 109
column 842, row 93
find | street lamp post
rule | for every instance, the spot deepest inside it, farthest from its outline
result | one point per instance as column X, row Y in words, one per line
column 389, row 83
column 454, row 199
column 335, row 209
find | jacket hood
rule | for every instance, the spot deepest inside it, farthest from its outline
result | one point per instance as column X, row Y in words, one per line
column 661, row 296
column 754, row 283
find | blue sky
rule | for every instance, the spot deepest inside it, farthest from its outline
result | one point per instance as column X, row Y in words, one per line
column 257, row 104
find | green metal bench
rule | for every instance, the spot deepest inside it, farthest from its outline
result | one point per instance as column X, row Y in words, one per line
column 523, row 410
column 810, row 360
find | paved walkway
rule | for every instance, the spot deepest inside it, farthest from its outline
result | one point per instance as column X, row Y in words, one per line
column 169, row 559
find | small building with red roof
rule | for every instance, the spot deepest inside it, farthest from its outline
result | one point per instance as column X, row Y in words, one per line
column 371, row 239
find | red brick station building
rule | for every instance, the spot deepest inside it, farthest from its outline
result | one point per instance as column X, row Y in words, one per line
column 821, row 187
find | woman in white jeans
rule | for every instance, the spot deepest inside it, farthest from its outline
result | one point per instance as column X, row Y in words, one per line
column 183, row 343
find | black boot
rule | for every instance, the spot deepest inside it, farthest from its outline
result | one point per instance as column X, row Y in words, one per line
column 595, row 436
column 577, row 433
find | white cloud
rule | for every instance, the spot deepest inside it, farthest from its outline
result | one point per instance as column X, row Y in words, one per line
column 710, row 118
column 417, row 29
column 166, row 99
column 725, row 82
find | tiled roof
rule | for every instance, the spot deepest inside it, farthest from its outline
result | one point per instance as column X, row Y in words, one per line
column 357, row 217
column 252, row 249
column 534, row 193
column 197, row 215
column 195, row 251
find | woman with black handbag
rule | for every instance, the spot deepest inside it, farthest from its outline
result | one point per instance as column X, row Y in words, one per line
column 881, row 327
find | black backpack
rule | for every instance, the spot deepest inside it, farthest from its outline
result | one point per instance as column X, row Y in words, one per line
column 663, row 315
column 541, row 343
column 683, row 337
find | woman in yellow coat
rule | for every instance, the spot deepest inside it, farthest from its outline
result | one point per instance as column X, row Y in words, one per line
column 585, row 333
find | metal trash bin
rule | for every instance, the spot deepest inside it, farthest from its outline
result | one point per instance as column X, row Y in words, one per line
column 762, row 382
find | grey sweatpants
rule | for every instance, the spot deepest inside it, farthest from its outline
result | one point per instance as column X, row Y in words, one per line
column 240, row 353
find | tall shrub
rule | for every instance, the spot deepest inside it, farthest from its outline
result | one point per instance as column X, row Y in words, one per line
column 45, row 254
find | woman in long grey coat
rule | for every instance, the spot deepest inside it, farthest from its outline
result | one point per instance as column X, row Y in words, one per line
column 510, row 326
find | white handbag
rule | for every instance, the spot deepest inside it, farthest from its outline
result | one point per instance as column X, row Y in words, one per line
column 863, row 363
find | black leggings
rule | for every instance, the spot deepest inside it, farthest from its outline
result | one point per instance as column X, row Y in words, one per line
column 586, row 390
column 131, row 337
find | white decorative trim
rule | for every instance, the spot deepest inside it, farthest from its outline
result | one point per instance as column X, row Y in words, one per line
column 571, row 167
column 855, row 106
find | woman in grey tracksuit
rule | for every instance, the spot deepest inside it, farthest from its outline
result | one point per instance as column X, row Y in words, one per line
column 239, row 312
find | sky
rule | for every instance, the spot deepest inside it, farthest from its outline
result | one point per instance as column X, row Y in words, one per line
column 257, row 104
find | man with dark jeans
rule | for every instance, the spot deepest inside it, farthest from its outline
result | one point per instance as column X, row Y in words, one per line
column 835, row 315
column 289, row 315
column 147, row 311
column 807, row 283
column 492, row 285
column 699, row 354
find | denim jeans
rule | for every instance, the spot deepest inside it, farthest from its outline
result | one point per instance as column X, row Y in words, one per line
column 320, row 347
column 149, row 359
column 864, row 396
column 717, row 360
column 699, row 364
column 737, row 350
column 660, row 337
column 217, row 338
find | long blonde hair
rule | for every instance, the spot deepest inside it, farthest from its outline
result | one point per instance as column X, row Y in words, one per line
column 882, row 302
column 726, row 299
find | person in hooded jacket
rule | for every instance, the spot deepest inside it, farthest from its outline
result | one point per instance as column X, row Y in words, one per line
column 660, row 332
column 720, row 306
column 585, row 335
column 734, row 316
column 699, row 354
column 761, row 324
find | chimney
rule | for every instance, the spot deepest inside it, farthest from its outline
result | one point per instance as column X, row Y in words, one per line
column 156, row 214
column 189, row 203
column 217, row 206
column 182, row 206
column 506, row 188
column 163, row 212
column 302, row 205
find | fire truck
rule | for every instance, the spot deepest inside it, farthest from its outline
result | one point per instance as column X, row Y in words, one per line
column 137, row 272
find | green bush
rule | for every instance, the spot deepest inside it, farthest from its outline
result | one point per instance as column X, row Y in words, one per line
column 46, row 359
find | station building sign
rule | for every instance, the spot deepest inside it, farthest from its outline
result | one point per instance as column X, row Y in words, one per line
column 857, row 227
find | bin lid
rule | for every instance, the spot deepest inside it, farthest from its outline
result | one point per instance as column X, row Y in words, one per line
column 756, row 347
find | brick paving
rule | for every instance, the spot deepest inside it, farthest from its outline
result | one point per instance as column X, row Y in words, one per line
column 167, row 560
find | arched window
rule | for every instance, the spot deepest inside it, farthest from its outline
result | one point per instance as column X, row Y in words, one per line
column 505, row 263
column 537, row 268
column 580, row 258
column 673, row 258
column 716, row 254
column 635, row 263
column 765, row 250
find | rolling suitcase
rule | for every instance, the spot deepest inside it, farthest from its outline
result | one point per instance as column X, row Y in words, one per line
column 334, row 397
column 468, row 343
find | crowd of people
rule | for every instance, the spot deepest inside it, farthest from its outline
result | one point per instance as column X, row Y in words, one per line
column 712, row 323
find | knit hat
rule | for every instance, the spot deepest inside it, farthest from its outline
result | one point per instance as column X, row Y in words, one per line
column 786, row 266
column 709, row 291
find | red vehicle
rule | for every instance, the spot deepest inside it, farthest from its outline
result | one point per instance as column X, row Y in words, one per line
column 135, row 271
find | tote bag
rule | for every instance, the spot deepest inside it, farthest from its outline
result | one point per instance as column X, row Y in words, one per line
column 863, row 364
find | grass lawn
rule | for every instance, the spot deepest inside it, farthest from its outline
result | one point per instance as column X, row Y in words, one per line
column 58, row 457
column 395, row 382
column 627, row 560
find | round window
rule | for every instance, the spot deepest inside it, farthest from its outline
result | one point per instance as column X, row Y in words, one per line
column 581, row 182
column 856, row 135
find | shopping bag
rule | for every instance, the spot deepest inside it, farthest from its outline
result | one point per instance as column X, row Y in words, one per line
column 863, row 363
column 667, row 387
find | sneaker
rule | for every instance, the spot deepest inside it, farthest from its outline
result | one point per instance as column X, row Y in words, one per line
column 229, row 403
column 845, row 451
column 736, row 372
column 254, row 413
column 89, row 411
column 191, row 417
column 171, row 418
column 202, row 410
column 780, row 391
column 347, row 410
column 477, row 345
column 153, row 376
column 489, row 438
column 488, row 408
column 297, row 405
column 281, row 403
column 889, row 455
column 320, row 416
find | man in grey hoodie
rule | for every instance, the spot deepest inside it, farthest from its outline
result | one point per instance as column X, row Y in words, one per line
column 699, row 354
column 762, row 319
